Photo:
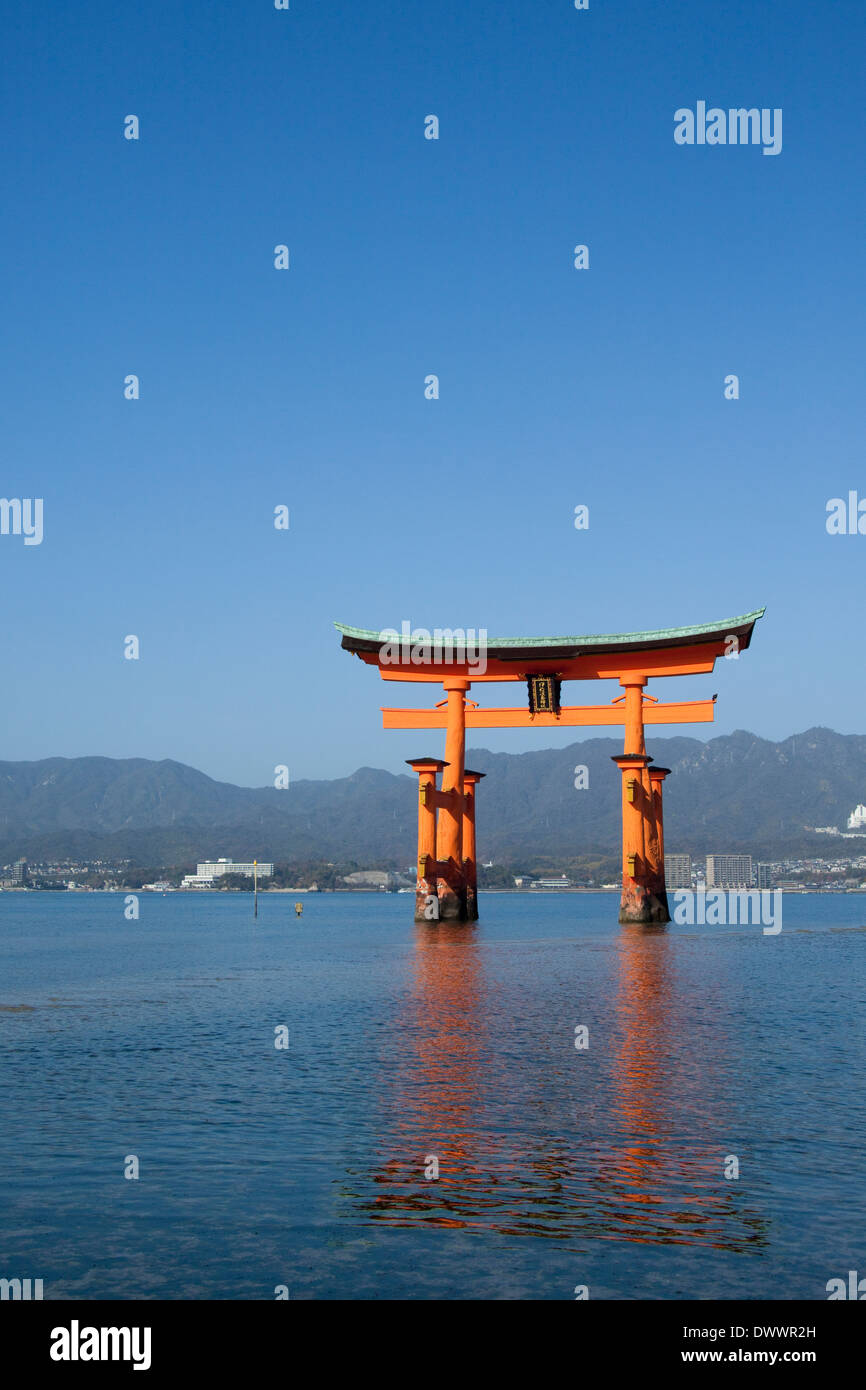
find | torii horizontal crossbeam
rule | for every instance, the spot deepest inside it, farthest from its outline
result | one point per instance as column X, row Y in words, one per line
column 570, row 716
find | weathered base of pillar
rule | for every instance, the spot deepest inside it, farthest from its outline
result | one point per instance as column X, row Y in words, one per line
column 426, row 902
column 446, row 904
column 640, row 905
column 452, row 903
column 665, row 912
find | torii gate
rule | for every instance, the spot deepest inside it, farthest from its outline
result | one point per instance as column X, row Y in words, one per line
column 447, row 872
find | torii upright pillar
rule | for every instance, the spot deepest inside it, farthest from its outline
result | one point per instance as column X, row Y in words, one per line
column 449, row 831
column 426, row 886
column 657, row 776
column 470, row 866
column 643, row 894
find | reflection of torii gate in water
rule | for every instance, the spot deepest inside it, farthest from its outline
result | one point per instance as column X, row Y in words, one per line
column 447, row 875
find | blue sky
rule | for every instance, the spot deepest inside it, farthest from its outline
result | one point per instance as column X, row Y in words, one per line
column 410, row 257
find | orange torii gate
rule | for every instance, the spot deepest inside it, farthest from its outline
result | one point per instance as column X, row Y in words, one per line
column 447, row 872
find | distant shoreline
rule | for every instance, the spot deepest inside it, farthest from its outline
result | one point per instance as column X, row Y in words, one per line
column 378, row 893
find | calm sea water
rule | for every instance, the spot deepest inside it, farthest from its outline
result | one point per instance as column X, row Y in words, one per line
column 306, row 1166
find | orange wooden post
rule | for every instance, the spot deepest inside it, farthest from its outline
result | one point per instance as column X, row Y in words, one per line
column 657, row 776
column 635, row 741
column 651, row 909
column 634, row 734
column 426, row 887
column 635, row 904
column 449, row 832
column 470, row 866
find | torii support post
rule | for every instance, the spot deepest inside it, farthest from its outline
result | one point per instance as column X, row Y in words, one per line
column 470, row 867
column 636, row 904
column 657, row 776
column 426, row 886
column 449, row 832
column 643, row 895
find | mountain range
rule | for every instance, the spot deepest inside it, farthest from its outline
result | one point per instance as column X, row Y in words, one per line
column 735, row 793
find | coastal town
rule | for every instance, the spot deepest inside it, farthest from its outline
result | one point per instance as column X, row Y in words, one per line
column 840, row 873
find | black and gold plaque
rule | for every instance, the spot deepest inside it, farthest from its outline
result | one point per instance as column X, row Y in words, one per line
column 543, row 694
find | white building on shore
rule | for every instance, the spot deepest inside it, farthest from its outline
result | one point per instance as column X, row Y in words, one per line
column 212, row 869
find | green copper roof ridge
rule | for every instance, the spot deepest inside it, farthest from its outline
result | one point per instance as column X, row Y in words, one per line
column 585, row 640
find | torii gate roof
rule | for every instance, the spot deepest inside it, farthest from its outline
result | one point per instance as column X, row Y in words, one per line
column 367, row 643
